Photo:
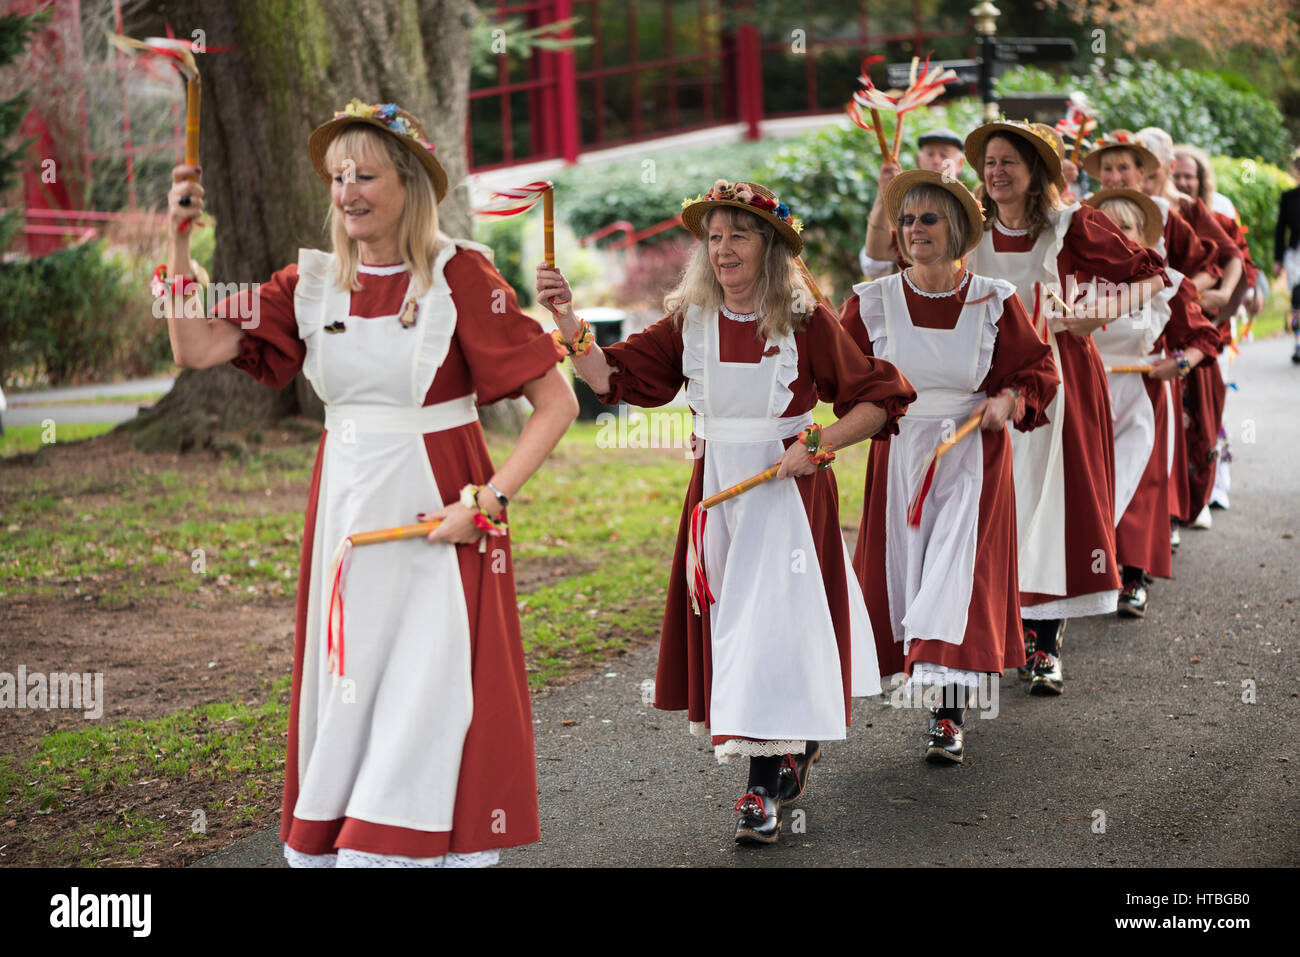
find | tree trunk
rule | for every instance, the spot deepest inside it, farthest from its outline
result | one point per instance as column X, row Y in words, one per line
column 294, row 63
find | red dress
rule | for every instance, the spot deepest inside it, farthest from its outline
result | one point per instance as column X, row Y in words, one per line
column 648, row 372
column 492, row 354
column 992, row 640
column 1204, row 391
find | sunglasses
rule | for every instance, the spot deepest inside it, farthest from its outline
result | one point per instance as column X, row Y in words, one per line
column 927, row 219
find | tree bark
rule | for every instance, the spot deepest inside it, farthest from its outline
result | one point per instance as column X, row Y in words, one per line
column 294, row 63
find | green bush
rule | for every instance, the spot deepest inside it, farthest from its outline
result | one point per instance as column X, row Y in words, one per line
column 828, row 179
column 1222, row 115
column 647, row 190
column 73, row 315
column 1254, row 187
column 506, row 237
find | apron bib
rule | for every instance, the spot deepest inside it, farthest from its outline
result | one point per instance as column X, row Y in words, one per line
column 776, row 665
column 930, row 570
column 384, row 743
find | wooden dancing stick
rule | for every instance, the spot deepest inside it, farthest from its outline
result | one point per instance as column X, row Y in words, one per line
column 393, row 534
column 741, row 487
column 1142, row 369
column 927, row 480
column 548, row 222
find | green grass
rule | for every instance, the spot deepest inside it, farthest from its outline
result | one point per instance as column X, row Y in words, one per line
column 1269, row 321
column 122, row 761
column 31, row 438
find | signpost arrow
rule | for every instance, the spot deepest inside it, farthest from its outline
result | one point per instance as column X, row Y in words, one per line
column 898, row 75
column 1034, row 50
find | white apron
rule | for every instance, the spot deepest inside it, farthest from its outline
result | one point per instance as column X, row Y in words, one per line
column 776, row 664
column 1037, row 456
column 383, row 744
column 929, row 571
column 1128, row 341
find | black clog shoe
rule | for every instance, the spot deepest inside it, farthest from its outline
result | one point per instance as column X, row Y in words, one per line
column 794, row 773
column 758, row 818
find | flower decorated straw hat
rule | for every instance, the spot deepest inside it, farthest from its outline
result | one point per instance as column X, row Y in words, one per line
column 1154, row 228
column 1032, row 133
column 900, row 185
column 388, row 117
column 1118, row 139
column 752, row 198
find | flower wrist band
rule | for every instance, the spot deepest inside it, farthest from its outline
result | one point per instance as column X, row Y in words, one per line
column 1184, row 364
column 159, row 286
column 482, row 521
column 821, row 455
column 583, row 341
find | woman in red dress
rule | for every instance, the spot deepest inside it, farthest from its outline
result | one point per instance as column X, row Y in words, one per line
column 411, row 745
column 766, row 654
column 944, row 597
column 1173, row 337
column 1120, row 160
column 1065, row 474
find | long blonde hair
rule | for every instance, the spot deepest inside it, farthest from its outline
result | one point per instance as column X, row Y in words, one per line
column 1041, row 197
column 419, row 238
column 781, row 294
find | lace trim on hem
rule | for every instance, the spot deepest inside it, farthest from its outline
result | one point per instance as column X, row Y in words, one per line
column 347, row 857
column 699, row 727
column 739, row 747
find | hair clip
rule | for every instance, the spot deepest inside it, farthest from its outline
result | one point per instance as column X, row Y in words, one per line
column 407, row 315
column 336, row 327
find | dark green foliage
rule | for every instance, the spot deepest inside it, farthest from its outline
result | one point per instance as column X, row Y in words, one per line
column 1218, row 112
column 645, row 191
column 1254, row 188
column 69, row 315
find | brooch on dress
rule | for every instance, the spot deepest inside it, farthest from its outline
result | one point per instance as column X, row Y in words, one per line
column 407, row 315
column 772, row 351
column 336, row 326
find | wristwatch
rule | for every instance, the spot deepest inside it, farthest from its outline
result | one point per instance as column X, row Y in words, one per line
column 501, row 496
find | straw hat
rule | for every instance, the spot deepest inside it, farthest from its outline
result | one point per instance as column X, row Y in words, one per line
column 1044, row 145
column 1058, row 141
column 1155, row 226
column 390, row 118
column 1116, row 140
column 900, row 185
column 752, row 198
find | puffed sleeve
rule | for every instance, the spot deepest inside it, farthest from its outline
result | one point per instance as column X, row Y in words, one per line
column 1022, row 361
column 504, row 348
column 270, row 350
column 1095, row 248
column 846, row 377
column 1187, row 252
column 647, row 366
column 1205, row 225
column 1187, row 327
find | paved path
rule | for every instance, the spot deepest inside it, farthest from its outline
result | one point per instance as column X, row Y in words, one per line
column 62, row 405
column 1152, row 730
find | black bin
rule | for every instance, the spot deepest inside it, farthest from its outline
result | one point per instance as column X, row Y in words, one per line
column 607, row 326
